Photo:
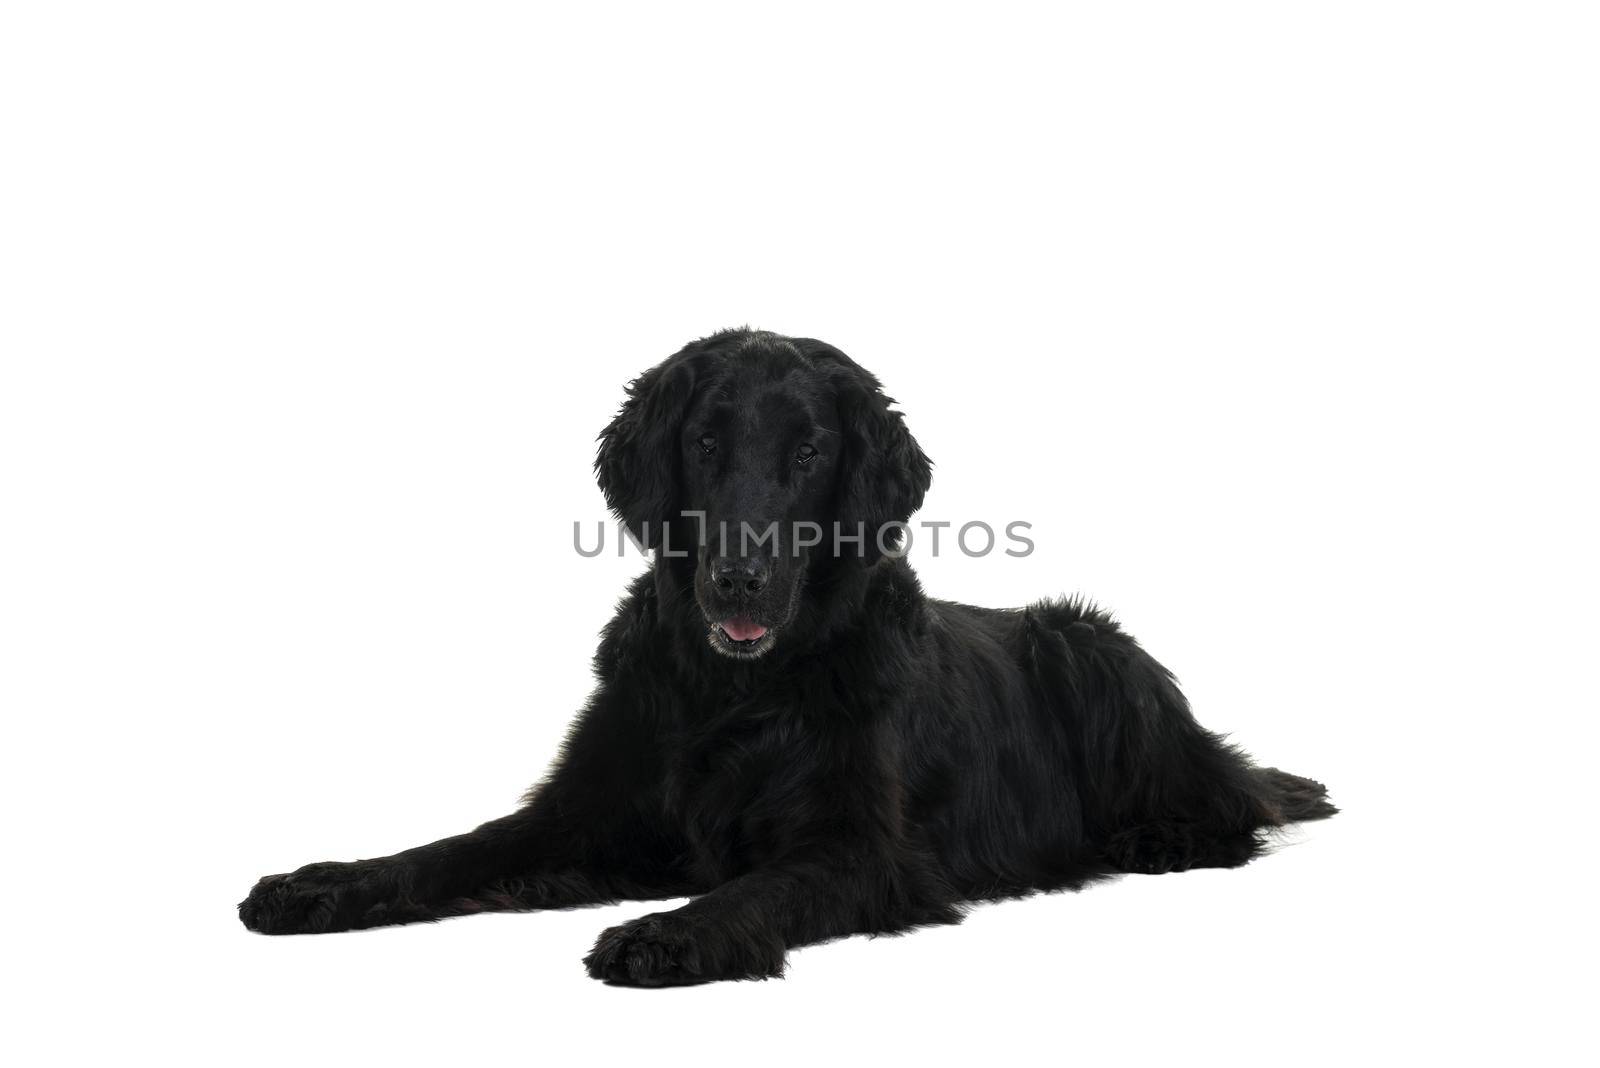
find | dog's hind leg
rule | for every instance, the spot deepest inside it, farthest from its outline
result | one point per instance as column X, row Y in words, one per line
column 1160, row 793
column 1156, row 847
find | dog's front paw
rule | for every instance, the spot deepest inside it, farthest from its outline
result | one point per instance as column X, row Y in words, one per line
column 324, row 897
column 669, row 949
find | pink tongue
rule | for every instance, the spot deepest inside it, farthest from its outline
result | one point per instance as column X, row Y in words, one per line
column 742, row 629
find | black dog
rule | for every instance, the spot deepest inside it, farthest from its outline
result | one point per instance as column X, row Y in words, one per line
column 795, row 733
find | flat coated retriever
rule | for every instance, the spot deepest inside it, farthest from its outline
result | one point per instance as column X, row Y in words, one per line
column 794, row 734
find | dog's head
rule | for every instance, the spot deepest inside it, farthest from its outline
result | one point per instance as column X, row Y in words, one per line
column 760, row 459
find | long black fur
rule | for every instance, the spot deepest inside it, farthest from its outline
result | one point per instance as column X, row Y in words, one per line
column 875, row 762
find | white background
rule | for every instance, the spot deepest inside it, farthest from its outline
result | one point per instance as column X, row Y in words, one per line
column 1277, row 321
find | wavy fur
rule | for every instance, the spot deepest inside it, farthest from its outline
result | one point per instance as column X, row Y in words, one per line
column 891, row 759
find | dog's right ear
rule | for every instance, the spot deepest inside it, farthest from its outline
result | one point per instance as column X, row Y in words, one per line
column 638, row 460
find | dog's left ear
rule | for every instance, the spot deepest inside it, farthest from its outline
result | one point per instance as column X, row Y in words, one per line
column 886, row 473
column 637, row 463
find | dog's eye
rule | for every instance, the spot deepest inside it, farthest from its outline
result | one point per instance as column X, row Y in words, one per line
column 708, row 443
column 804, row 454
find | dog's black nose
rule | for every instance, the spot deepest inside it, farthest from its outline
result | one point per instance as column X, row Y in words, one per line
column 748, row 574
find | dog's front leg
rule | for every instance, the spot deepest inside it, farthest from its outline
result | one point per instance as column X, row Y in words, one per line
column 576, row 842
column 586, row 836
column 527, row 860
column 744, row 928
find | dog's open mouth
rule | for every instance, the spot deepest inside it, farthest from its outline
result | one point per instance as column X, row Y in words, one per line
column 741, row 636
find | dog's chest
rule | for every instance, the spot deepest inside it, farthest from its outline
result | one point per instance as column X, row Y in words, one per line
column 742, row 785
